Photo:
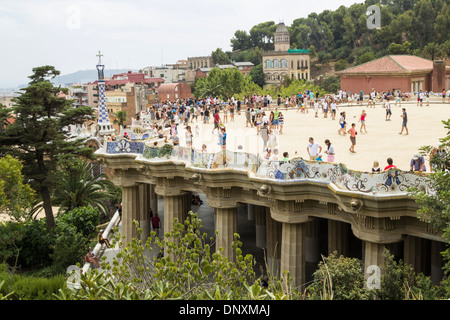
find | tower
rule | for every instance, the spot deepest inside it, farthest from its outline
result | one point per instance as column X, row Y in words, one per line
column 104, row 126
column 281, row 38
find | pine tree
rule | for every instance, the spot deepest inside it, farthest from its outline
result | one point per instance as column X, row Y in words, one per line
column 36, row 136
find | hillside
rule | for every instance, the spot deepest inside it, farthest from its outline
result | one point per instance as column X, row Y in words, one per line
column 418, row 27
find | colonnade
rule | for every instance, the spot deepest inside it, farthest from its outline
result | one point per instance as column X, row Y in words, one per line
column 289, row 245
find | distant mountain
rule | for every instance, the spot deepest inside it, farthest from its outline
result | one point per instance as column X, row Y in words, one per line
column 85, row 76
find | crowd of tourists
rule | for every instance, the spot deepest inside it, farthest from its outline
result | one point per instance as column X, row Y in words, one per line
column 265, row 114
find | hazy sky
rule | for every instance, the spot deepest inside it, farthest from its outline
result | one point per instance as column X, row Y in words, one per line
column 131, row 34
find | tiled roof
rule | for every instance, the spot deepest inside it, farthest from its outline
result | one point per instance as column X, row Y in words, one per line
column 392, row 64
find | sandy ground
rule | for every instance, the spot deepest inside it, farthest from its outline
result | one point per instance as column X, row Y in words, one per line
column 380, row 142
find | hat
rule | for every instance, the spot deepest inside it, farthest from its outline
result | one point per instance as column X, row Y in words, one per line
column 416, row 156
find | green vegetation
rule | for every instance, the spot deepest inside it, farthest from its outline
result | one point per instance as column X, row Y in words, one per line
column 35, row 137
column 230, row 82
column 406, row 27
column 435, row 208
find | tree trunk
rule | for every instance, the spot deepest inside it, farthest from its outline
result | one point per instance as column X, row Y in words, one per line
column 45, row 193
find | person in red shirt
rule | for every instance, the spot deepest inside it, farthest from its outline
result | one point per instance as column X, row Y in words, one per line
column 353, row 133
column 216, row 122
column 390, row 164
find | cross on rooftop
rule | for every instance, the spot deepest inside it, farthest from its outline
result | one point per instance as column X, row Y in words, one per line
column 99, row 57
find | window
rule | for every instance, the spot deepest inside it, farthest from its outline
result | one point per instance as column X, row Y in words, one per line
column 276, row 63
column 283, row 63
column 268, row 63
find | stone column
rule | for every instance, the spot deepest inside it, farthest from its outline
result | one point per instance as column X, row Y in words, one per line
column 130, row 212
column 273, row 237
column 337, row 237
column 260, row 221
column 412, row 253
column 174, row 207
column 437, row 274
column 251, row 212
column 144, row 210
column 312, row 242
column 293, row 252
column 153, row 198
column 373, row 262
column 226, row 225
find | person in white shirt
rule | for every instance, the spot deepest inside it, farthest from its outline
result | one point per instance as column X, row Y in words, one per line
column 388, row 110
column 313, row 149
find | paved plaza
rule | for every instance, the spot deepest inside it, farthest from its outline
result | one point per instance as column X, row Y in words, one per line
column 380, row 142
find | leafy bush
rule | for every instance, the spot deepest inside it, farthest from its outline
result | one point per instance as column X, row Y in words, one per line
column 83, row 219
column 339, row 278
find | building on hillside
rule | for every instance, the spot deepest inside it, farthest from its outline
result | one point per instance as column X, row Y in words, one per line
column 243, row 67
column 174, row 91
column 405, row 73
column 168, row 73
column 285, row 62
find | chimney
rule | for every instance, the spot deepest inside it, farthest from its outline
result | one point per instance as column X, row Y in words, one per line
column 439, row 70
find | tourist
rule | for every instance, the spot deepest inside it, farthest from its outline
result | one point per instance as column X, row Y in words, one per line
column 91, row 258
column 217, row 122
column 362, row 119
column 276, row 115
column 101, row 239
column 223, row 138
column 285, row 157
column 333, row 109
column 316, row 108
column 265, row 136
column 417, row 163
column 343, row 124
column 188, row 136
column 156, row 223
column 272, row 140
column 280, row 122
column 387, row 105
column 398, row 98
column 404, row 121
column 353, row 134
column 313, row 149
column 329, row 151
column 247, row 118
column 376, row 167
column 319, row 157
column 225, row 114
column 175, row 139
column 443, row 95
column 390, row 165
column 274, row 156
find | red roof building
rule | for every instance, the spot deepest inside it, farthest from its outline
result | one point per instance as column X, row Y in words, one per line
column 174, row 91
column 121, row 79
column 396, row 72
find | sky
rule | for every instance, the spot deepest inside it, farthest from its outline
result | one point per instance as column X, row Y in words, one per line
column 130, row 34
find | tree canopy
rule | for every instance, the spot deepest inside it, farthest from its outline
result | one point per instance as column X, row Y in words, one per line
column 36, row 136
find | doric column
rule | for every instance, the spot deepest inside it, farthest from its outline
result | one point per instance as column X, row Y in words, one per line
column 174, row 207
column 312, row 242
column 153, row 198
column 144, row 211
column 337, row 237
column 373, row 262
column 130, row 212
column 226, row 225
column 293, row 251
column 260, row 222
column 436, row 262
column 273, row 238
column 250, row 212
column 412, row 253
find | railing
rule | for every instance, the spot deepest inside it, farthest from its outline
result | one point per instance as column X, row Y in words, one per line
column 106, row 233
column 393, row 181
